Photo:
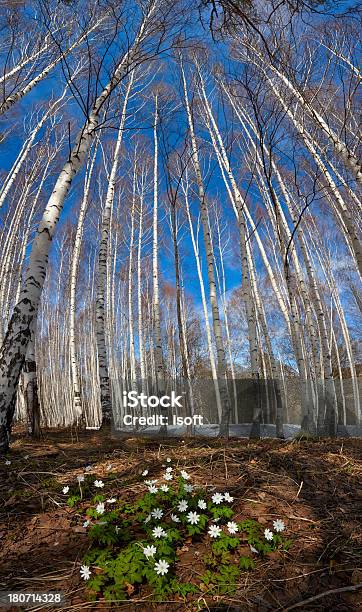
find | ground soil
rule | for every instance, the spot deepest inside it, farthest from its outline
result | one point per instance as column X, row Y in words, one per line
column 313, row 485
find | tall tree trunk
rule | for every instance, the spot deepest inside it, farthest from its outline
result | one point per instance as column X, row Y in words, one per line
column 158, row 352
column 141, row 349
column 204, row 306
column 132, row 358
column 246, row 280
column 221, row 361
column 74, row 267
column 31, row 389
column 16, row 97
column 13, row 350
column 105, row 389
column 180, row 326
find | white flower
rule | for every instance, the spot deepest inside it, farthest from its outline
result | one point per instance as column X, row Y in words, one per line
column 185, row 475
column 188, row 488
column 193, row 518
column 278, row 525
column 164, row 488
column 175, row 518
column 202, row 504
column 86, row 523
column 80, row 478
column 65, row 490
column 99, row 484
column 152, row 489
column 254, row 550
column 148, row 518
column 168, row 460
column 144, row 473
column 182, row 505
column 217, row 498
column 228, row 497
column 168, row 476
column 150, row 482
column 117, row 529
column 112, row 500
column 214, row 531
column 100, row 508
column 268, row 535
column 7, row 462
column 157, row 513
column 88, row 468
column 161, row 567
column 158, row 532
column 149, row 551
column 85, row 572
column 232, row 527
column 169, row 470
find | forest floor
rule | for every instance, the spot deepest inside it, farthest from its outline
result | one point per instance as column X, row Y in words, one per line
column 313, row 486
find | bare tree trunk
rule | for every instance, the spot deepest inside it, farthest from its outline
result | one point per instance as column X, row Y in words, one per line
column 31, row 389
column 105, row 389
column 158, row 352
column 13, row 350
column 77, row 400
column 204, row 304
column 11, row 100
column 221, row 361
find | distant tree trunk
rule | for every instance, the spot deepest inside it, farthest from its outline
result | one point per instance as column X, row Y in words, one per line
column 158, row 352
column 204, row 306
column 130, row 284
column 246, row 281
column 74, row 267
column 221, row 361
column 180, row 325
column 139, row 300
column 102, row 269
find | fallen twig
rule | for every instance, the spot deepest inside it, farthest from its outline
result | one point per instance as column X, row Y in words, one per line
column 354, row 587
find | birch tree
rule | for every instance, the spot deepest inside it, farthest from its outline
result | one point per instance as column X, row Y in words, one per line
column 17, row 337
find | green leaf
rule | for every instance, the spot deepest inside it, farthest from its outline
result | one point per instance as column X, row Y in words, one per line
column 246, row 563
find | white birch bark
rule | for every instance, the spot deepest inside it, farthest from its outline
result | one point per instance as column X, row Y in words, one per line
column 105, row 389
column 18, row 164
column 14, row 347
column 246, row 281
column 75, row 260
column 185, row 189
column 327, row 270
column 348, row 157
column 158, row 351
column 130, row 283
column 222, row 290
column 11, row 100
column 342, row 208
column 30, row 386
column 295, row 325
column 221, row 361
column 141, row 349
